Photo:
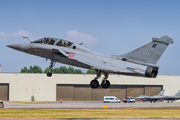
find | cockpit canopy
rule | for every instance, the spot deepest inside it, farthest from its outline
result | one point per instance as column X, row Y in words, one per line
column 53, row 41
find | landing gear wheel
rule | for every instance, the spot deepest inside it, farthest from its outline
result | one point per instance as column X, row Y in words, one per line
column 105, row 84
column 52, row 64
column 49, row 74
column 94, row 84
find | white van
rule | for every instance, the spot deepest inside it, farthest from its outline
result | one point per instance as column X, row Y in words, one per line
column 111, row 99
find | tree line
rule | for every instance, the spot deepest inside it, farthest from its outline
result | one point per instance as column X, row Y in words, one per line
column 61, row 70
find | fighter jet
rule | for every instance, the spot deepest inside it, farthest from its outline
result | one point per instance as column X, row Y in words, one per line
column 154, row 98
column 139, row 62
column 172, row 98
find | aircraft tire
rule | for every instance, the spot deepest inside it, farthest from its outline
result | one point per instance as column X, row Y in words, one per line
column 94, row 83
column 105, row 84
column 49, row 74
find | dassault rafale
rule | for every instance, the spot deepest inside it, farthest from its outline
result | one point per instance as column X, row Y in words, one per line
column 139, row 62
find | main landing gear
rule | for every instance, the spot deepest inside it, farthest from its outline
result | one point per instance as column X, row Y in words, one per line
column 52, row 64
column 105, row 83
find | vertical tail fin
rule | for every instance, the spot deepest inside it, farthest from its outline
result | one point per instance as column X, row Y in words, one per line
column 161, row 93
column 151, row 52
column 178, row 93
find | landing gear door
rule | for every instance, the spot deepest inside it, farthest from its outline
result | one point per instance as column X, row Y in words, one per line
column 58, row 56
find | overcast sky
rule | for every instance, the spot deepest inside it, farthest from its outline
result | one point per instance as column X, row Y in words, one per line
column 111, row 27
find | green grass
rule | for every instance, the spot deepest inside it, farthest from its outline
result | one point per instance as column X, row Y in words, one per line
column 89, row 113
column 147, row 108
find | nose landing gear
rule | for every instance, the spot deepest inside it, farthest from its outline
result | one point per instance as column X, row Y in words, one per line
column 52, row 64
column 49, row 74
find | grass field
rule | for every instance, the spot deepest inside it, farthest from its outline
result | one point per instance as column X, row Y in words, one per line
column 91, row 113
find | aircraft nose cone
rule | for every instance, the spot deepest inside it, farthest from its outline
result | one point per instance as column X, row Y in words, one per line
column 16, row 46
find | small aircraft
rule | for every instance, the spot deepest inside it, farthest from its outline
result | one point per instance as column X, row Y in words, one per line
column 172, row 98
column 154, row 98
column 140, row 62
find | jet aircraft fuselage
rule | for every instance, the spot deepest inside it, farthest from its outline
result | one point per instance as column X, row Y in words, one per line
column 154, row 98
column 172, row 97
column 140, row 62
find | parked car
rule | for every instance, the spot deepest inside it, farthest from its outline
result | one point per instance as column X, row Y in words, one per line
column 129, row 100
column 1, row 104
column 111, row 99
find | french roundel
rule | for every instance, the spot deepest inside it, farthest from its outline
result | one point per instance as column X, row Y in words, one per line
column 71, row 55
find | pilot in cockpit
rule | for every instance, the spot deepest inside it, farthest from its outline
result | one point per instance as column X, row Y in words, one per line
column 51, row 42
column 65, row 44
column 47, row 41
column 59, row 43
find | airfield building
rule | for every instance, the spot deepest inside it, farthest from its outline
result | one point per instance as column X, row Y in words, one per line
column 75, row 87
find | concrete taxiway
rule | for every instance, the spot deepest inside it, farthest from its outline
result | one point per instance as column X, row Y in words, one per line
column 85, row 105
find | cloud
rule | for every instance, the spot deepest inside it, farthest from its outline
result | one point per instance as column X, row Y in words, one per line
column 23, row 33
column 2, row 33
column 78, row 37
column 72, row 35
column 15, row 36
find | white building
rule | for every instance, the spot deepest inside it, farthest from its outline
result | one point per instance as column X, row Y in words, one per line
column 75, row 87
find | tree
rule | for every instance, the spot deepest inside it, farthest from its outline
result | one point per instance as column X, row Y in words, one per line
column 91, row 72
column 24, row 70
column 46, row 70
column 70, row 70
column 77, row 71
column 34, row 69
column 64, row 70
column 56, row 70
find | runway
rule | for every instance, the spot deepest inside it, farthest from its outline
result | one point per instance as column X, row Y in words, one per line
column 85, row 105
